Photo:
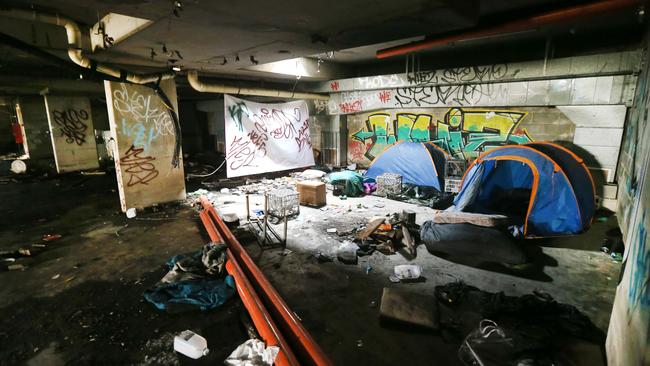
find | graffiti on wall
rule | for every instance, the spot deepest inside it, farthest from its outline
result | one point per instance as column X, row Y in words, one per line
column 463, row 133
column 142, row 117
column 266, row 137
column 139, row 169
column 72, row 124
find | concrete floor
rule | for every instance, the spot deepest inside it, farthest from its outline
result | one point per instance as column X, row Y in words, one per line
column 93, row 311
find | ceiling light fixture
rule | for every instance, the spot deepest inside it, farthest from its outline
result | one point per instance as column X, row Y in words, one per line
column 254, row 61
column 225, row 61
column 237, row 58
column 178, row 7
column 176, row 68
column 153, row 54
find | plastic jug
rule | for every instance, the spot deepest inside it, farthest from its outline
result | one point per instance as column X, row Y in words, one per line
column 191, row 344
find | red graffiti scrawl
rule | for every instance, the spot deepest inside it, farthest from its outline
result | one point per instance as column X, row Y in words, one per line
column 334, row 85
column 384, row 96
column 350, row 107
column 139, row 169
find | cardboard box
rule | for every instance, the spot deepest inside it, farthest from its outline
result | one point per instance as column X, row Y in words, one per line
column 312, row 193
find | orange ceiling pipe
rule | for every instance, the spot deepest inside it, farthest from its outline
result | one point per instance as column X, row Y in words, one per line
column 303, row 344
column 552, row 17
column 261, row 318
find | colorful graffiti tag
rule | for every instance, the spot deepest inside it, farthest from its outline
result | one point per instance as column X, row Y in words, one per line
column 463, row 133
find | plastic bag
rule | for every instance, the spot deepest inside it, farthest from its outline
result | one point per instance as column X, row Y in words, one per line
column 487, row 346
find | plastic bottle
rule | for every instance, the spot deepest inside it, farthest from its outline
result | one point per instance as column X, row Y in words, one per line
column 191, row 344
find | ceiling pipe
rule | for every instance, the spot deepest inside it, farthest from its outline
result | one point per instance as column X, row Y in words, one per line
column 75, row 52
column 203, row 87
column 552, row 17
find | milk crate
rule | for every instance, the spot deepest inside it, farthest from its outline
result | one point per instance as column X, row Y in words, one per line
column 284, row 203
column 454, row 171
column 389, row 184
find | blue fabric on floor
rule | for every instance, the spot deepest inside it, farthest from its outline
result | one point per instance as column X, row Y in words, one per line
column 204, row 293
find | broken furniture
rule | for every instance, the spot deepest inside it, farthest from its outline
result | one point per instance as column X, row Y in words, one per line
column 312, row 193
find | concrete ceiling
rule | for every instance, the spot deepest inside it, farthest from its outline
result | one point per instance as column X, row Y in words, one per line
column 207, row 32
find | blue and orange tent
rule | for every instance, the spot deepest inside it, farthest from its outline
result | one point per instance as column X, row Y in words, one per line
column 558, row 187
column 419, row 163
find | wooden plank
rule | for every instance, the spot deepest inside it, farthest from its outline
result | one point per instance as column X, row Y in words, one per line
column 72, row 133
column 408, row 241
column 142, row 126
column 370, row 228
column 409, row 308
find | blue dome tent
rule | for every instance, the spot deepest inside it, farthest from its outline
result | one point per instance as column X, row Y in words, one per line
column 544, row 196
column 419, row 163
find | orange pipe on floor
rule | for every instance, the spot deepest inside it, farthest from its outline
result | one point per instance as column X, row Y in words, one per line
column 303, row 343
column 260, row 316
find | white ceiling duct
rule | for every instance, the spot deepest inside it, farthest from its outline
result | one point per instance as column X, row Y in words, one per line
column 193, row 78
column 75, row 51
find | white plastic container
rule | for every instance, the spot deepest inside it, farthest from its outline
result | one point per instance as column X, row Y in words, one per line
column 407, row 271
column 191, row 344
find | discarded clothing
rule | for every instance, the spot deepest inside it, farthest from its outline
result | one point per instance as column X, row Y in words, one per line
column 532, row 323
column 489, row 244
column 205, row 293
column 194, row 279
column 253, row 352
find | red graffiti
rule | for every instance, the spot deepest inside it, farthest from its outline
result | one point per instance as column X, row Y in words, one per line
column 356, row 150
column 350, row 107
column 139, row 169
column 334, row 85
column 384, row 96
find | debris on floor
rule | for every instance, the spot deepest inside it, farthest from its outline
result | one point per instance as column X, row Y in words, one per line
column 253, row 352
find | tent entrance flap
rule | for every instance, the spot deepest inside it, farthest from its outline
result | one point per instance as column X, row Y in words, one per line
column 506, row 189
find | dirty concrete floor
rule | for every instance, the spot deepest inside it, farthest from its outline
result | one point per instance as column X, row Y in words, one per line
column 339, row 303
column 79, row 301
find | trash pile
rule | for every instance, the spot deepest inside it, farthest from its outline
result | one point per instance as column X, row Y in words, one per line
column 11, row 259
column 385, row 235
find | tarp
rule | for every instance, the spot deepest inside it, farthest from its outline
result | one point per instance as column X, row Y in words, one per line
column 419, row 163
column 263, row 137
column 522, row 180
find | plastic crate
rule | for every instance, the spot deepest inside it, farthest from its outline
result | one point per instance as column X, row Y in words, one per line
column 389, row 184
column 284, row 203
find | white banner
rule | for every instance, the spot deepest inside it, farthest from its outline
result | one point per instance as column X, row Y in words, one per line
column 263, row 137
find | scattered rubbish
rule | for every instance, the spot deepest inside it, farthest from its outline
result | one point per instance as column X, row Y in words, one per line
column 35, row 245
column 331, row 230
column 603, row 219
column 617, row 257
column 9, row 259
column 56, row 276
column 393, row 278
column 368, row 268
column 224, row 190
column 370, row 228
column 322, row 258
column 69, row 279
column 253, row 352
column 98, row 172
column 373, row 304
column 359, row 343
column 16, row 267
column 191, row 344
column 131, row 213
column 24, row 252
column 18, row 167
column 407, row 271
column 285, row 252
column 407, row 307
column 51, row 237
column 347, row 252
